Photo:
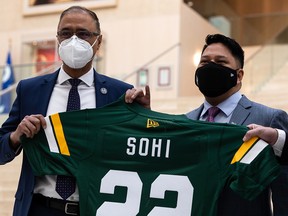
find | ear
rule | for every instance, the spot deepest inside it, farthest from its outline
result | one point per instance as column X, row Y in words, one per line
column 240, row 75
column 99, row 41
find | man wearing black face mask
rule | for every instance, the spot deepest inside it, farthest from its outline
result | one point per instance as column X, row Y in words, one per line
column 219, row 78
column 214, row 79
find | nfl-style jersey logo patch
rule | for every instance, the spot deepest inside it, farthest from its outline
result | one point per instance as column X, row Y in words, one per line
column 152, row 123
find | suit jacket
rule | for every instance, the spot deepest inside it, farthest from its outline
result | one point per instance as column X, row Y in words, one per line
column 230, row 203
column 33, row 97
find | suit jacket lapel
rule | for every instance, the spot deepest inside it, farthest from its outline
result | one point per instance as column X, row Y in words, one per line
column 101, row 90
column 46, row 89
column 241, row 111
column 195, row 115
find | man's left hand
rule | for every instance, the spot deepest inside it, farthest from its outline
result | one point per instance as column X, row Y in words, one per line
column 268, row 134
column 139, row 96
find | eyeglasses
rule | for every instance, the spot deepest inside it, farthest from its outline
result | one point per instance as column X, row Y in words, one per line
column 83, row 34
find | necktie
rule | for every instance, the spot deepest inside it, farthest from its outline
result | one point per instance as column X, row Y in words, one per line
column 73, row 98
column 65, row 185
column 212, row 112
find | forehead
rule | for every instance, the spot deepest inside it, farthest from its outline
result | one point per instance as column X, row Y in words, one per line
column 77, row 20
column 217, row 50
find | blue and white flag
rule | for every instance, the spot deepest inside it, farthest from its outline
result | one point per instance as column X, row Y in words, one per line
column 7, row 80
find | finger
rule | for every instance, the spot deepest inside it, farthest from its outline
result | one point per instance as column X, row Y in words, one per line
column 30, row 129
column 138, row 93
column 135, row 94
column 23, row 128
column 254, row 126
column 129, row 95
column 33, row 124
column 250, row 126
column 130, row 92
column 254, row 131
column 246, row 137
column 147, row 91
column 42, row 120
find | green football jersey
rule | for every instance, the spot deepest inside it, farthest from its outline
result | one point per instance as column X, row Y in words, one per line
column 130, row 161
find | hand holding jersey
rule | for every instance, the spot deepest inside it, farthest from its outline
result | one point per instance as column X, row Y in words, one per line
column 134, row 161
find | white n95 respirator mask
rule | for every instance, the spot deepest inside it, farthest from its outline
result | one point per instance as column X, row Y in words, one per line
column 75, row 52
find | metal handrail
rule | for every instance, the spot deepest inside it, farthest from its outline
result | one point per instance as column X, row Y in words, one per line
column 46, row 70
column 151, row 61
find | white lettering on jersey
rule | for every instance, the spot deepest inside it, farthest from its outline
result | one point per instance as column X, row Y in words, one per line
column 148, row 147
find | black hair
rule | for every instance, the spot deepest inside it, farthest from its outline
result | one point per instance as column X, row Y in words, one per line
column 79, row 8
column 234, row 47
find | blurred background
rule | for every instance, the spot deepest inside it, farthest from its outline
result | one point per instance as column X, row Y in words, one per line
column 156, row 43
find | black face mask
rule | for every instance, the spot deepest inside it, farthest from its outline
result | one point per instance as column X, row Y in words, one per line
column 214, row 79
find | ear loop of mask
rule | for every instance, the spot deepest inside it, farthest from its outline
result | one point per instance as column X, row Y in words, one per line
column 95, row 41
column 93, row 46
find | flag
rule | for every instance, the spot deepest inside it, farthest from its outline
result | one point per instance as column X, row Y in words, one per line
column 7, row 80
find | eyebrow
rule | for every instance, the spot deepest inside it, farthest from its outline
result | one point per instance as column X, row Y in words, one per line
column 217, row 56
column 70, row 29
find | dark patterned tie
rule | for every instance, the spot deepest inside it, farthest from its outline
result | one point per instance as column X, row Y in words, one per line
column 65, row 185
column 212, row 112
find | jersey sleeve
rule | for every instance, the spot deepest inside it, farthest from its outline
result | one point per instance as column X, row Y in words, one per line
column 49, row 152
column 255, row 167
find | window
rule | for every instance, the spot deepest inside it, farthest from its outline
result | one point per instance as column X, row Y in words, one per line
column 164, row 76
column 142, row 77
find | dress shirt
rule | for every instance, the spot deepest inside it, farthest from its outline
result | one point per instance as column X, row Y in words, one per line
column 46, row 185
column 227, row 107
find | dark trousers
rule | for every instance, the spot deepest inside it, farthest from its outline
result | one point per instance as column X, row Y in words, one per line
column 232, row 204
column 280, row 193
column 41, row 207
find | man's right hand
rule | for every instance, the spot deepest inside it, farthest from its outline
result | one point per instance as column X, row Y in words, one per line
column 29, row 126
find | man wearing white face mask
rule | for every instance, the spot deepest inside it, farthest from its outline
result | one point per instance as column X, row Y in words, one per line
column 76, row 52
column 79, row 37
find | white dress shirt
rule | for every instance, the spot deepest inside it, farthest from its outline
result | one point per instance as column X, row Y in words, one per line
column 46, row 185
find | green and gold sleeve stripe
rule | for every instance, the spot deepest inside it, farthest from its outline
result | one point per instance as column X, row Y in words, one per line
column 55, row 135
column 249, row 150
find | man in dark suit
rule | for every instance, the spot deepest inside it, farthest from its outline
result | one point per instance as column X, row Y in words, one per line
column 79, row 37
column 219, row 78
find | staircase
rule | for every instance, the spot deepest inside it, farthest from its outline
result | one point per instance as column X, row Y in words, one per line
column 274, row 92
